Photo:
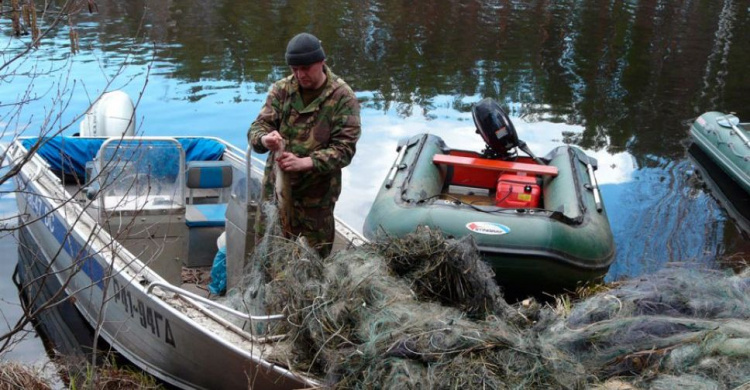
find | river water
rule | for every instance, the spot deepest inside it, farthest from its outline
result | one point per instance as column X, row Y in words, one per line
column 620, row 79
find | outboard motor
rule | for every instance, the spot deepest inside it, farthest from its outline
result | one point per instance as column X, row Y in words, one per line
column 498, row 132
column 113, row 115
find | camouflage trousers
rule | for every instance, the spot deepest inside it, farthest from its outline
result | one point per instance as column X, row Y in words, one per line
column 316, row 224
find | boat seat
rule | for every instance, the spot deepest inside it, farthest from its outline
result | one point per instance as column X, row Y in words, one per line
column 205, row 215
column 495, row 165
column 207, row 175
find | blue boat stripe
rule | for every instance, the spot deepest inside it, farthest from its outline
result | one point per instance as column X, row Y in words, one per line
column 81, row 256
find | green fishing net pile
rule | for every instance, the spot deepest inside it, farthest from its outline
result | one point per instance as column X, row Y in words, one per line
column 424, row 312
column 678, row 328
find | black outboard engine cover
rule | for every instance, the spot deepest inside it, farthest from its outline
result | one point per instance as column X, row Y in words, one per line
column 495, row 127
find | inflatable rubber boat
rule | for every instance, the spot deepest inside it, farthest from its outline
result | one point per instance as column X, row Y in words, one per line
column 539, row 222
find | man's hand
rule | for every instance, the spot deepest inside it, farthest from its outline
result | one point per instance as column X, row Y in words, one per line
column 291, row 163
column 272, row 141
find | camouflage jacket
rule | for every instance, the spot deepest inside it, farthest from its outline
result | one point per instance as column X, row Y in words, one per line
column 326, row 130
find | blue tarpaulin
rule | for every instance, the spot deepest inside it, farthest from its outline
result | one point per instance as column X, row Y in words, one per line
column 68, row 155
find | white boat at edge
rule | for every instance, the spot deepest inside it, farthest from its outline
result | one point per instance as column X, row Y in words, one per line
column 134, row 300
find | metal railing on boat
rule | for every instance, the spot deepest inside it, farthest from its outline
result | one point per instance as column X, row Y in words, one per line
column 208, row 302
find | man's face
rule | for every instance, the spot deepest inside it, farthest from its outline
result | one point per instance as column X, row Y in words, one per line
column 309, row 76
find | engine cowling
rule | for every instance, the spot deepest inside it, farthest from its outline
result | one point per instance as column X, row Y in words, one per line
column 495, row 127
column 113, row 115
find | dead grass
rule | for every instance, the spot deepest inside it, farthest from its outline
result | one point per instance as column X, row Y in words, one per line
column 16, row 376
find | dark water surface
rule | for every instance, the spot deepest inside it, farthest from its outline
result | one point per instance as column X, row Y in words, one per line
column 620, row 79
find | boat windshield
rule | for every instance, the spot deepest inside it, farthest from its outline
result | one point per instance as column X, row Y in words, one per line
column 141, row 173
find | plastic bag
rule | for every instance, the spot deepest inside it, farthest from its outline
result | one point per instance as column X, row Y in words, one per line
column 218, row 285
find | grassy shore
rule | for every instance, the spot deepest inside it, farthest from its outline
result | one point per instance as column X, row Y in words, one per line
column 74, row 376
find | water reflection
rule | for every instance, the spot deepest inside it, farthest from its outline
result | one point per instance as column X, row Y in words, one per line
column 623, row 70
column 25, row 347
column 657, row 219
column 617, row 79
column 64, row 330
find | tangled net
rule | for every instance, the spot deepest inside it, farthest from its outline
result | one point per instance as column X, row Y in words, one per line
column 678, row 328
column 423, row 311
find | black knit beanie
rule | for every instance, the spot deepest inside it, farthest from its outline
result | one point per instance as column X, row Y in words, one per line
column 304, row 49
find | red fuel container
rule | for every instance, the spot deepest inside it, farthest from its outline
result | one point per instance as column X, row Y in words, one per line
column 517, row 192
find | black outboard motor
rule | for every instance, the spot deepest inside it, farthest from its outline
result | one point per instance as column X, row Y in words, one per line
column 498, row 132
column 496, row 129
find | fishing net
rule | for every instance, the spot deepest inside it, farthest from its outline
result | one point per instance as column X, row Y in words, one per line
column 423, row 311
column 677, row 328
column 447, row 271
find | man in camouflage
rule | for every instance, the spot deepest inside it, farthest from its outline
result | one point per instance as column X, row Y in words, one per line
column 315, row 114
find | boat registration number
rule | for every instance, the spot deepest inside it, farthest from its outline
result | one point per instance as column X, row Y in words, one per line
column 148, row 318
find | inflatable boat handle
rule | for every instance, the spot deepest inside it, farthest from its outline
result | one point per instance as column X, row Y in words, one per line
column 594, row 187
column 730, row 121
column 741, row 135
column 401, row 148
